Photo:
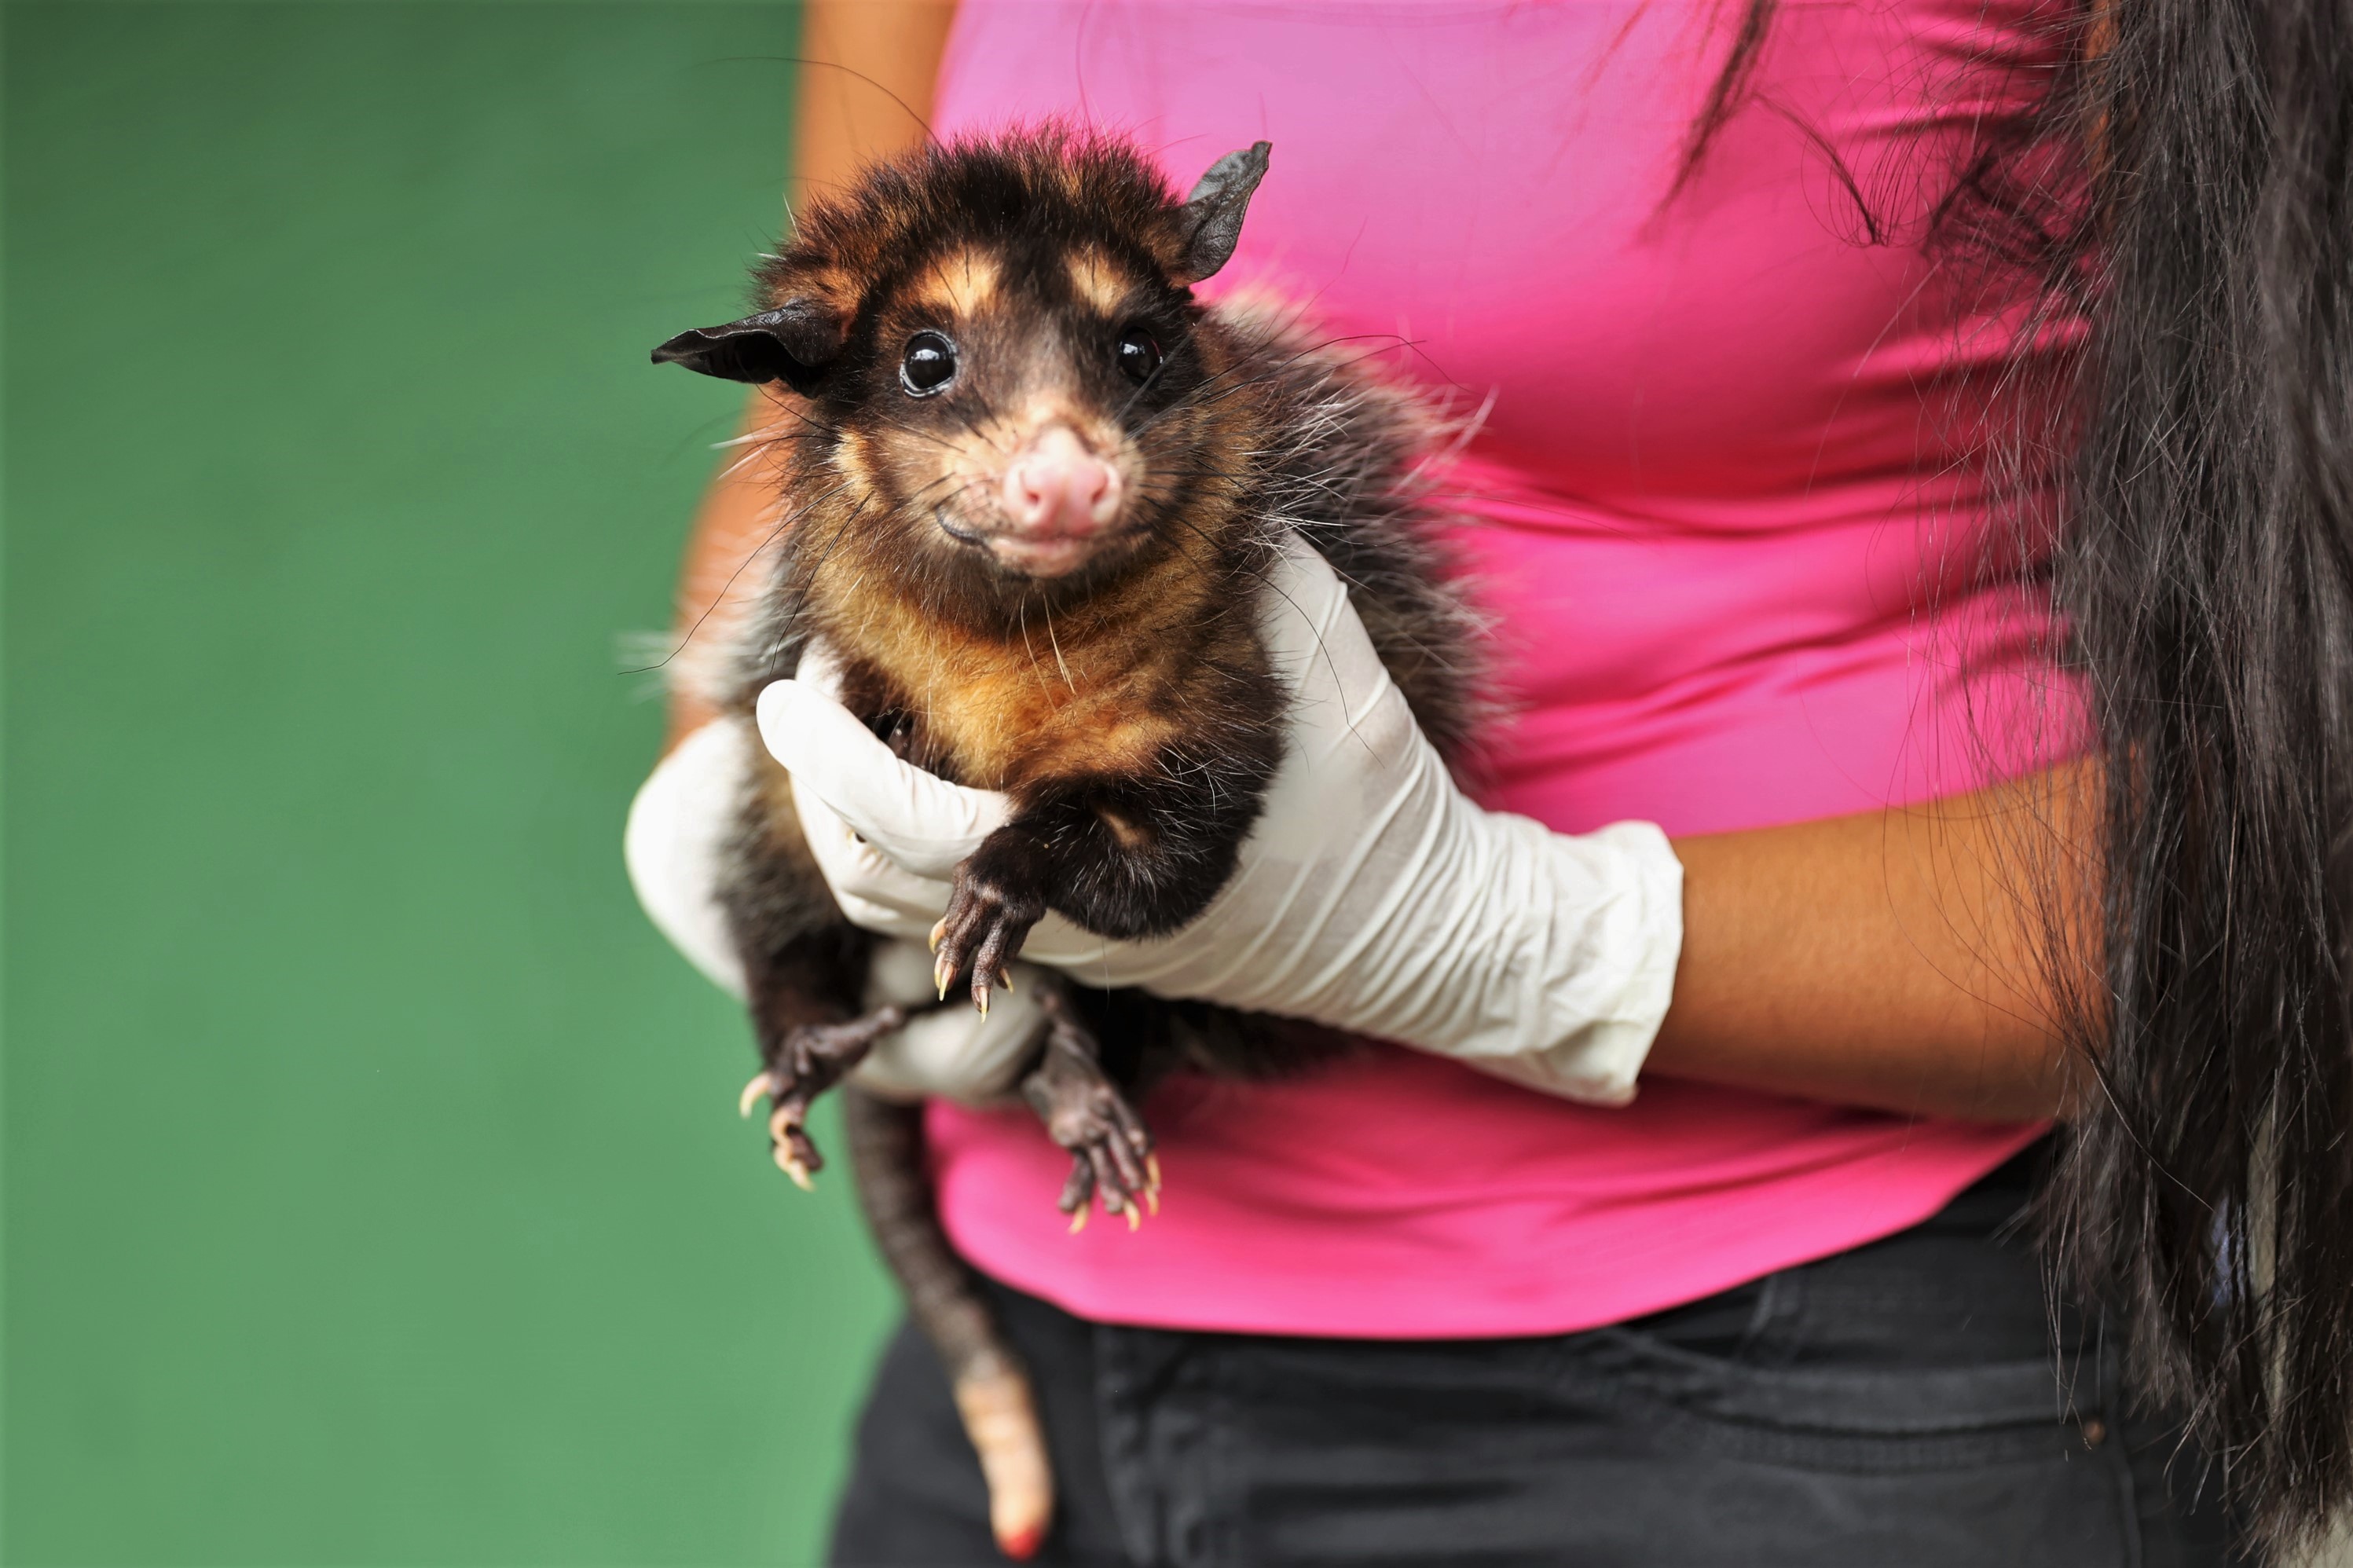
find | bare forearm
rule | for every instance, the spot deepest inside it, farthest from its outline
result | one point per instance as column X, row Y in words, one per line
column 866, row 79
column 865, row 91
column 1892, row 959
column 1898, row 958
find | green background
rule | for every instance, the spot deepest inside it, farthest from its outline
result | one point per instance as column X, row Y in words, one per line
column 375, row 1192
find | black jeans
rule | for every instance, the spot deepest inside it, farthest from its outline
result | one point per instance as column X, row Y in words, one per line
column 1901, row 1405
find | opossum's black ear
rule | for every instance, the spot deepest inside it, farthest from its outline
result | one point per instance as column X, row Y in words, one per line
column 792, row 343
column 1213, row 213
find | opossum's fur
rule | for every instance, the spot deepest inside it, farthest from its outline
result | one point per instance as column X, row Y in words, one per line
column 1344, row 461
column 1278, row 434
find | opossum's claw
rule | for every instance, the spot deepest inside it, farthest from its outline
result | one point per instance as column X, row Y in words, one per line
column 788, row 1161
column 796, row 1155
column 1000, row 940
column 1084, row 1111
column 1120, row 1182
column 995, row 900
column 1077, row 1189
column 804, row 1064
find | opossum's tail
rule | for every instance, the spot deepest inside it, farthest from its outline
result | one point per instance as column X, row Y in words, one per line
column 992, row 1390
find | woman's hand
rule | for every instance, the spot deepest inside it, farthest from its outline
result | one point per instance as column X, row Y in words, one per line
column 1895, row 959
column 1372, row 896
column 675, row 844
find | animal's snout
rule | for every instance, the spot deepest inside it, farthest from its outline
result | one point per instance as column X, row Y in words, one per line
column 1057, row 489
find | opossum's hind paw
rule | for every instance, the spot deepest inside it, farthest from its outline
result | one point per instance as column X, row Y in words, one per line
column 808, row 1061
column 795, row 1155
column 1001, row 1419
column 995, row 900
column 1084, row 1111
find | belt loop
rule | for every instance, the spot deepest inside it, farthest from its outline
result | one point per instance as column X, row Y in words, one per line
column 1774, row 1322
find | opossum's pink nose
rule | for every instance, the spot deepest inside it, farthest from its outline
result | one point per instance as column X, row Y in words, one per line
column 1056, row 489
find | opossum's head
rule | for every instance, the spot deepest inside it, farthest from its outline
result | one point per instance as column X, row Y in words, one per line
column 1002, row 359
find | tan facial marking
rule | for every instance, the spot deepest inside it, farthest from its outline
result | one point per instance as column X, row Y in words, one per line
column 1130, row 835
column 1097, row 281
column 849, row 455
column 960, row 285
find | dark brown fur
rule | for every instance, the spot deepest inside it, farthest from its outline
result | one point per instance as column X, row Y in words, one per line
column 1128, row 707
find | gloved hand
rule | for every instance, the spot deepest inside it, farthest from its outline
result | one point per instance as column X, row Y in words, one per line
column 677, row 831
column 1373, row 896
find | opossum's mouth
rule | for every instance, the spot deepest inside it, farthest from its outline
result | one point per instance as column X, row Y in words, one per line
column 1039, row 556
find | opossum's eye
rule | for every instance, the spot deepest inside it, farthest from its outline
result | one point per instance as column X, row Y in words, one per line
column 930, row 365
column 1139, row 356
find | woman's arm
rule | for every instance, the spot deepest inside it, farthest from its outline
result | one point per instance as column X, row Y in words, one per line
column 1889, row 959
column 865, row 90
column 1894, row 959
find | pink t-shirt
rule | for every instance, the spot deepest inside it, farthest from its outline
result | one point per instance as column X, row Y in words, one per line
column 1726, row 519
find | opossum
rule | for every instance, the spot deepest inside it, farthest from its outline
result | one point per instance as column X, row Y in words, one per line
column 1030, row 487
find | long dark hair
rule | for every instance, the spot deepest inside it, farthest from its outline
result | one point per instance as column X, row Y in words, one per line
column 2184, row 185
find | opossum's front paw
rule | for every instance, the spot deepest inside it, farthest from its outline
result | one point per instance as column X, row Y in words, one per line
column 1084, row 1111
column 999, row 893
column 806, row 1062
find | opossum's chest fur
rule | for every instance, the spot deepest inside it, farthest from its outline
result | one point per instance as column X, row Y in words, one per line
column 1122, row 684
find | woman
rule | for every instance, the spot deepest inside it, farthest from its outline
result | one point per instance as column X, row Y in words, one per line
column 1817, row 345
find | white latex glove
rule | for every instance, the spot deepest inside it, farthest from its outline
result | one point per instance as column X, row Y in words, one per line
column 1372, row 896
column 677, row 830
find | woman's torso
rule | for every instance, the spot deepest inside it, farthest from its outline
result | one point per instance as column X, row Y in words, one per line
column 1726, row 516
